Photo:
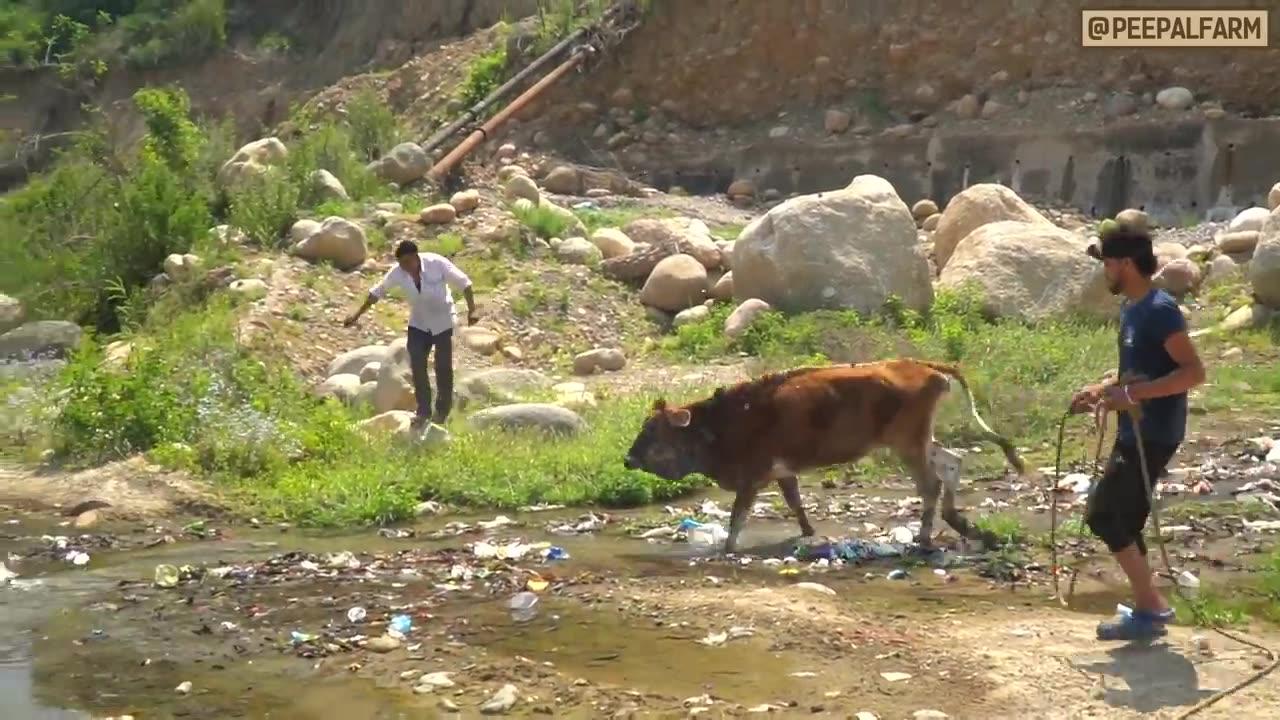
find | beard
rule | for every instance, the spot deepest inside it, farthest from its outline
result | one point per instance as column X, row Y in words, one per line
column 1114, row 286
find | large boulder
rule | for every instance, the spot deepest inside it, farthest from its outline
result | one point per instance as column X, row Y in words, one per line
column 352, row 362
column 11, row 313
column 338, row 241
column 404, row 164
column 677, row 282
column 252, row 160
column 612, row 242
column 1249, row 219
column 54, row 337
column 1178, row 276
column 974, row 207
column 1264, row 268
column 395, row 380
column 1030, row 270
column 328, row 186
column 1273, row 197
column 691, row 237
column 544, row 417
column 851, row 249
column 501, row 384
column 343, row 387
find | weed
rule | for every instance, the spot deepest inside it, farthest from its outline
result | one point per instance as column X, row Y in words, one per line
column 1006, row 527
column 545, row 221
column 447, row 244
column 485, row 73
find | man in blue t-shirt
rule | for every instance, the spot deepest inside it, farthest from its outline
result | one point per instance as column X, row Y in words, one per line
column 1158, row 365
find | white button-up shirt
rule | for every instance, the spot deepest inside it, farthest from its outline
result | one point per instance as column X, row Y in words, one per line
column 431, row 309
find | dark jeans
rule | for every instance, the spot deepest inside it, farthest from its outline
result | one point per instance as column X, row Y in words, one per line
column 419, row 346
column 1118, row 505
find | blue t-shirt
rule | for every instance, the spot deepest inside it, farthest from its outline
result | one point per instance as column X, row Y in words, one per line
column 1145, row 325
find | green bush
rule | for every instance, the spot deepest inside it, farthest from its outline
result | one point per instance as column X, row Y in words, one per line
column 87, row 234
column 167, row 32
column 373, row 126
column 484, row 75
column 187, row 383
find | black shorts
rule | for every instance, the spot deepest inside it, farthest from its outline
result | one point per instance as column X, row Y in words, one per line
column 1118, row 504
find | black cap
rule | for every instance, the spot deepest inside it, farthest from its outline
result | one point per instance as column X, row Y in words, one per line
column 1120, row 241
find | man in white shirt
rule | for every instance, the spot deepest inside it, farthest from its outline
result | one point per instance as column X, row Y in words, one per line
column 425, row 279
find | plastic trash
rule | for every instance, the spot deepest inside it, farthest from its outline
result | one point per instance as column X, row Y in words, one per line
column 555, row 553
column 898, row 574
column 356, row 614
column 299, row 638
column 401, row 624
column 708, row 535
column 78, row 558
column 523, row 606
column 166, row 576
column 1189, row 582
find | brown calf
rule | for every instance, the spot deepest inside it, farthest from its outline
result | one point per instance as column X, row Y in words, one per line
column 779, row 425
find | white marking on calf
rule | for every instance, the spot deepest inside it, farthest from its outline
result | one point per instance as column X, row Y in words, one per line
column 780, row 470
column 946, row 463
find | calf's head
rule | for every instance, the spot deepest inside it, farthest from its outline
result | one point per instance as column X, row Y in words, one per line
column 670, row 444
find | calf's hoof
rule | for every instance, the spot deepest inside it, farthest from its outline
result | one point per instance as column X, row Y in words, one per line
column 807, row 531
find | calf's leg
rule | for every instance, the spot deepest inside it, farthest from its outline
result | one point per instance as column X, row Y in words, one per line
column 928, row 486
column 790, row 487
column 742, row 503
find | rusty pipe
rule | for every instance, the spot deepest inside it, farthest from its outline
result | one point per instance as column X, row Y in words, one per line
column 474, row 111
column 446, row 163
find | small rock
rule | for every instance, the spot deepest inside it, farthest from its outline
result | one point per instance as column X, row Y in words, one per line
column 866, row 716
column 836, row 121
column 1234, row 243
column 183, row 688
column 86, row 519
column 440, row 214
column 578, row 251
column 931, row 223
column 250, row 289
column 967, row 107
column 929, row 715
column 742, row 317
column 924, row 209
column 1119, row 105
column 382, row 644
column 465, row 201
column 691, row 315
column 1175, row 98
column 501, row 702
column 604, row 359
column 1133, row 218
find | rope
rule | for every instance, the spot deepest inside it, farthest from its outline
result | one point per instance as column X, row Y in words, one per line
column 1135, row 415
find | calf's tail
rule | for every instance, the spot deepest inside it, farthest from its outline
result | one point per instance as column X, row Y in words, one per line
column 1010, row 453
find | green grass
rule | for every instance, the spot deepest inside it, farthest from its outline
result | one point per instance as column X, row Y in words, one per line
column 617, row 216
column 382, row 483
column 193, row 399
column 544, row 221
column 1006, row 527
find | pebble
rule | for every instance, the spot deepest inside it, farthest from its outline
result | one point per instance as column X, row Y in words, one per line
column 501, row 702
column 929, row 715
column 382, row 644
column 864, row 715
column 183, row 688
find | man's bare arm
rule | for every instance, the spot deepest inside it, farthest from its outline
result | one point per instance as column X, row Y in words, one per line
column 369, row 301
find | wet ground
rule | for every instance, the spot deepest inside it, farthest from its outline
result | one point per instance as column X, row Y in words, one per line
column 630, row 619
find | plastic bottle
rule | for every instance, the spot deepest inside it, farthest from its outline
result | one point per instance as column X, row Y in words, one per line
column 523, row 605
column 708, row 535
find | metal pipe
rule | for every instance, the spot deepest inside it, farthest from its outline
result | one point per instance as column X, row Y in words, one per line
column 474, row 111
column 442, row 168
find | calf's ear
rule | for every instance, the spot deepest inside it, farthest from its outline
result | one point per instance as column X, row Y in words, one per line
column 680, row 417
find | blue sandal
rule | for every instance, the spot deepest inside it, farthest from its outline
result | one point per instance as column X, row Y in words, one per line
column 1136, row 625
